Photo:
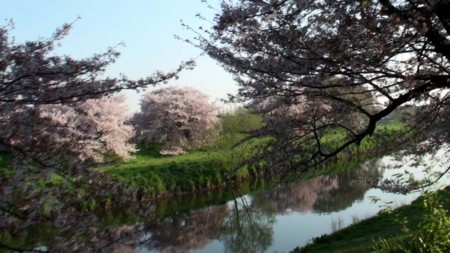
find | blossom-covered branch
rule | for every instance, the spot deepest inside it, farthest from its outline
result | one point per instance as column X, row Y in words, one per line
column 362, row 60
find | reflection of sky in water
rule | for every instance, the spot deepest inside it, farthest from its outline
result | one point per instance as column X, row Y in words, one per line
column 437, row 163
column 298, row 228
column 313, row 208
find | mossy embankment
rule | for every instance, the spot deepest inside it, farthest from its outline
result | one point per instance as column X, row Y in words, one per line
column 396, row 226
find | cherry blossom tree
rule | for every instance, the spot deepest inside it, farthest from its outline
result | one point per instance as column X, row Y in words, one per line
column 54, row 117
column 362, row 60
column 111, row 117
column 31, row 78
column 86, row 131
column 180, row 118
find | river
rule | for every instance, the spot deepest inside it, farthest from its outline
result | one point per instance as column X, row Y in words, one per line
column 280, row 218
column 253, row 217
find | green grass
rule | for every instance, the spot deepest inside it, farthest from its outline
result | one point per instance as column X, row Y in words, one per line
column 181, row 204
column 212, row 167
column 362, row 236
column 198, row 170
column 384, row 133
column 216, row 166
column 180, row 173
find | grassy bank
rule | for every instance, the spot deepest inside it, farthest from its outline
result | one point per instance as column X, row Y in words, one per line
column 201, row 170
column 198, row 170
column 385, row 133
column 395, row 227
column 214, row 167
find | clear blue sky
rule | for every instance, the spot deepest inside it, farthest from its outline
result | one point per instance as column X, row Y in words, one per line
column 147, row 27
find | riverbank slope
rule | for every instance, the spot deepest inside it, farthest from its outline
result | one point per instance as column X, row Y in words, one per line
column 202, row 170
column 400, row 227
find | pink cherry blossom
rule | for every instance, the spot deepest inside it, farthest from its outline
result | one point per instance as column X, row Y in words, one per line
column 180, row 118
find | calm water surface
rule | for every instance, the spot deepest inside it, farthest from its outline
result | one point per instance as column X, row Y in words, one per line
column 254, row 217
column 279, row 219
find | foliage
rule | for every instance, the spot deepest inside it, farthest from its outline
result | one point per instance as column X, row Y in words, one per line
column 41, row 90
column 199, row 170
column 240, row 121
column 85, row 131
column 32, row 78
column 343, row 65
column 162, row 175
column 236, row 125
column 432, row 234
column 180, row 118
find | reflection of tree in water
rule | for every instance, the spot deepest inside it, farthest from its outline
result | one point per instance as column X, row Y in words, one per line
column 241, row 228
column 179, row 233
column 183, row 232
column 324, row 193
column 299, row 197
column 353, row 184
column 248, row 228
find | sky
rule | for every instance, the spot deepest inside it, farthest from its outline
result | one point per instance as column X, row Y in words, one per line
column 146, row 27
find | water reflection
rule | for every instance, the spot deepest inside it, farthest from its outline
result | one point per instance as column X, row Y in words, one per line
column 248, row 228
column 247, row 224
column 329, row 193
column 194, row 230
column 225, row 224
column 352, row 186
